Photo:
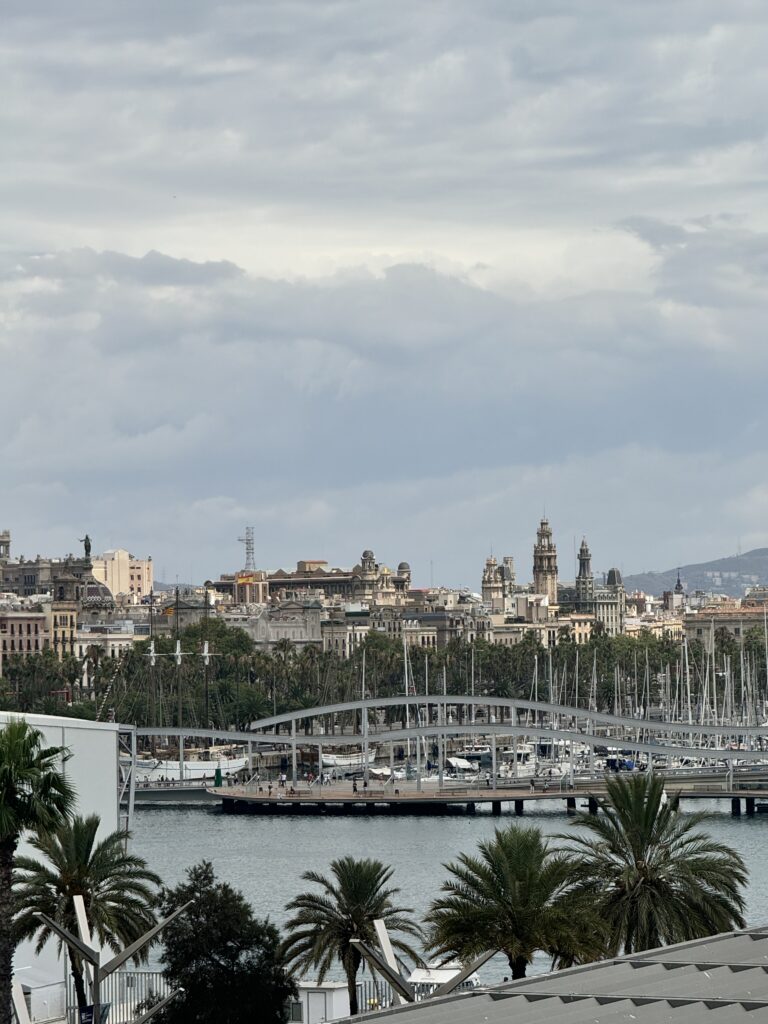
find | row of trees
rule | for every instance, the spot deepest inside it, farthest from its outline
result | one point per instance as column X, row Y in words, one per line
column 243, row 683
column 636, row 876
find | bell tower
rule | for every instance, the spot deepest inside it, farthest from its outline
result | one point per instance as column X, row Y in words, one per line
column 545, row 563
column 585, row 581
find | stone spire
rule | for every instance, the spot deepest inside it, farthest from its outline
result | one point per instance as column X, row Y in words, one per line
column 585, row 581
column 545, row 563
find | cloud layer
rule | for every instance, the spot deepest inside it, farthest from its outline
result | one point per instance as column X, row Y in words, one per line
column 393, row 276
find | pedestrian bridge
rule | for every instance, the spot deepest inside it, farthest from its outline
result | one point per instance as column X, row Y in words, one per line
column 390, row 722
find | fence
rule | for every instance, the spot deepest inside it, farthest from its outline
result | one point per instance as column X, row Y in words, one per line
column 125, row 991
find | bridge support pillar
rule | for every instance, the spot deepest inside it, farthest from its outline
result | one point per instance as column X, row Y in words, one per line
column 519, row 808
column 750, row 802
column 592, row 805
column 570, row 804
column 735, row 807
column 496, row 808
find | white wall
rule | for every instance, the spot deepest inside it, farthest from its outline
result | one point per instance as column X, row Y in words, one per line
column 93, row 770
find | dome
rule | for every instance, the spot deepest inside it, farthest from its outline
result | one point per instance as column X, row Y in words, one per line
column 97, row 594
column 403, row 567
column 367, row 554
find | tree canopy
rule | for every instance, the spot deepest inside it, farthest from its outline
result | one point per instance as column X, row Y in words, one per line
column 229, row 962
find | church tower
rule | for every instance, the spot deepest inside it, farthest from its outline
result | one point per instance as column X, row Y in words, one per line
column 585, row 581
column 493, row 585
column 545, row 563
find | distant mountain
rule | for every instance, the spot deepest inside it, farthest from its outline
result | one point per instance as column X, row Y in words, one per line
column 730, row 575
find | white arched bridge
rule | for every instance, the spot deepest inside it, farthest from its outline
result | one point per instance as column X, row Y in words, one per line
column 408, row 750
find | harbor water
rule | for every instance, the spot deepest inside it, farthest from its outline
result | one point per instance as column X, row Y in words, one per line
column 265, row 857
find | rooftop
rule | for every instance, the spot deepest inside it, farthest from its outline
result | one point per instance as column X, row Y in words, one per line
column 719, row 979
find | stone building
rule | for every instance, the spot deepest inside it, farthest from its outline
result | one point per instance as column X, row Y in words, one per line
column 297, row 621
column 369, row 582
column 23, row 631
column 499, row 583
column 605, row 602
column 345, row 630
column 545, row 563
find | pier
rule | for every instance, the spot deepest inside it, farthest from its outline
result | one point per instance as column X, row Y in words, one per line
column 405, row 799
column 728, row 760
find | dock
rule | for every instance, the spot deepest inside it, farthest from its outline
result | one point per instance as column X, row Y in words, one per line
column 408, row 800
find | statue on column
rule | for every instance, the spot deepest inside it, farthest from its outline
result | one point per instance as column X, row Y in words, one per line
column 86, row 542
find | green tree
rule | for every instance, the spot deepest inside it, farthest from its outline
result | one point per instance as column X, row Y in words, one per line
column 325, row 922
column 36, row 795
column 515, row 897
column 117, row 889
column 655, row 878
column 228, row 962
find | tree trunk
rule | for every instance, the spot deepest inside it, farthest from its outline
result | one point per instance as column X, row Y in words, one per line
column 7, row 851
column 518, row 965
column 352, row 990
column 77, row 978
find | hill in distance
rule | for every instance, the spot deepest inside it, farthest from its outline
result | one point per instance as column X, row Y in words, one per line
column 730, row 575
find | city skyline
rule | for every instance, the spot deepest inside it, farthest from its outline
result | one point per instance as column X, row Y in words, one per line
column 424, row 570
column 395, row 277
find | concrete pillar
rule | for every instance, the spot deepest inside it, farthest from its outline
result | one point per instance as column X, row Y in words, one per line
column 593, row 805
column 750, row 802
column 293, row 754
column 418, row 762
column 519, row 808
column 364, row 716
column 736, row 807
column 496, row 808
column 570, row 804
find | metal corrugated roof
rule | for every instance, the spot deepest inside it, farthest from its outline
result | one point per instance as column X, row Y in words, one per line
column 721, row 979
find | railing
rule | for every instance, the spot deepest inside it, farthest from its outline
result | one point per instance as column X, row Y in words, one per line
column 125, row 991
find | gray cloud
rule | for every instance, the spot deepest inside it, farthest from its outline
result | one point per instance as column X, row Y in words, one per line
column 411, row 409
column 384, row 275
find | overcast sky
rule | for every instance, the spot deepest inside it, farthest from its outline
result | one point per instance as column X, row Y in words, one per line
column 392, row 275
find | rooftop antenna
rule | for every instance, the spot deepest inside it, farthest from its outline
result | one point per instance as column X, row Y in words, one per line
column 250, row 560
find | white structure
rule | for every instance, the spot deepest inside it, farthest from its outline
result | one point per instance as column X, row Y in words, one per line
column 318, row 1003
column 93, row 769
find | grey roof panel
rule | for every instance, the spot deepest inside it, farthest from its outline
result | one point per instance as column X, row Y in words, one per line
column 731, row 949
column 720, row 980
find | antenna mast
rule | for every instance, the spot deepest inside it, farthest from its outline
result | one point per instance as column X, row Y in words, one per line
column 250, row 559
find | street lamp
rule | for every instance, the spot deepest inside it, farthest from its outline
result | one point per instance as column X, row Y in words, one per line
column 98, row 1015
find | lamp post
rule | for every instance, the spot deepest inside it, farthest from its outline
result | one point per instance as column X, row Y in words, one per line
column 92, row 956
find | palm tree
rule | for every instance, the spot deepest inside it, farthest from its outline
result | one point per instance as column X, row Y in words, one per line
column 655, row 878
column 117, row 889
column 345, row 909
column 34, row 794
column 514, row 897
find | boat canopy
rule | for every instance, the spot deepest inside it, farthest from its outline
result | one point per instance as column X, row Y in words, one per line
column 461, row 765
